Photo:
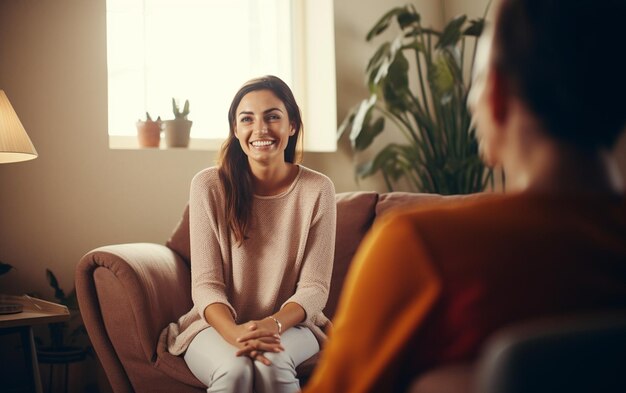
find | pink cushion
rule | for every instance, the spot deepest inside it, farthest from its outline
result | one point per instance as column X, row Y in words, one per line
column 179, row 240
column 392, row 201
column 175, row 366
column 355, row 213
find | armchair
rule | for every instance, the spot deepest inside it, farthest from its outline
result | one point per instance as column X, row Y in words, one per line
column 129, row 292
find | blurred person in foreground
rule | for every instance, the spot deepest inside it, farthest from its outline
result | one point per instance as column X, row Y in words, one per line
column 429, row 285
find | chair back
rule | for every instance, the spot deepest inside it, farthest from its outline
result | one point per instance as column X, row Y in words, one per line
column 584, row 353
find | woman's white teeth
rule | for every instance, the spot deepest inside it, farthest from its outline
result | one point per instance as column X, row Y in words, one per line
column 262, row 143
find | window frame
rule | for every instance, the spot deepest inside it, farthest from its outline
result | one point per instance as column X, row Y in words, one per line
column 313, row 59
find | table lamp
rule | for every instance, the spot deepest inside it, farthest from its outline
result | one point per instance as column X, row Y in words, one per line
column 15, row 145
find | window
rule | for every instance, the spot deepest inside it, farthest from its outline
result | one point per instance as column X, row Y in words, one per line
column 203, row 50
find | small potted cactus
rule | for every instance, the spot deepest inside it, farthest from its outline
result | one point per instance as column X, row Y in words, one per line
column 149, row 132
column 177, row 131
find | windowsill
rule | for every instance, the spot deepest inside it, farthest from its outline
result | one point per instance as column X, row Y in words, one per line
column 121, row 142
column 125, row 142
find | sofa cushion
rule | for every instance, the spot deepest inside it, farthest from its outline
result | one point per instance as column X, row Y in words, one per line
column 179, row 240
column 391, row 201
column 174, row 366
column 355, row 213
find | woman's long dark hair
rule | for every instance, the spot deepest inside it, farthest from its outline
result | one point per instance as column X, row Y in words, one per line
column 234, row 170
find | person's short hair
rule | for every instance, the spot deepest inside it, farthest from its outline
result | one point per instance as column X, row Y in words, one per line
column 565, row 59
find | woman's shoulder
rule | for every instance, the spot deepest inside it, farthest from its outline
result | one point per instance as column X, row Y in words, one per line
column 207, row 175
column 207, row 178
column 313, row 178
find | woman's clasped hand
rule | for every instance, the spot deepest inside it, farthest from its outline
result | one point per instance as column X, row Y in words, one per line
column 254, row 338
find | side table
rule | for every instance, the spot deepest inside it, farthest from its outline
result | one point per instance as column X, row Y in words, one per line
column 35, row 312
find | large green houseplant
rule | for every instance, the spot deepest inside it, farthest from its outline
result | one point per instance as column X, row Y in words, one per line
column 440, row 154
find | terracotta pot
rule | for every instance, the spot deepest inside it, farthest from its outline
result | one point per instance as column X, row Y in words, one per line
column 149, row 133
column 63, row 369
column 177, row 132
column 62, row 355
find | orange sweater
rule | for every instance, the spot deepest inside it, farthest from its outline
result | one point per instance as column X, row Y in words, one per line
column 429, row 285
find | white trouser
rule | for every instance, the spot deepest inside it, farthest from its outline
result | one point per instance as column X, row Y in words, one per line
column 212, row 360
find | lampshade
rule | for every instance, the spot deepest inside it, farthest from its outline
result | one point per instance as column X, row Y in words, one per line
column 15, row 145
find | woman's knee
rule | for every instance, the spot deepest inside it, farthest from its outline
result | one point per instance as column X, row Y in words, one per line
column 234, row 370
column 230, row 374
column 282, row 368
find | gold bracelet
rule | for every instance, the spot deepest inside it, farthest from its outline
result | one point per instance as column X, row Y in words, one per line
column 280, row 325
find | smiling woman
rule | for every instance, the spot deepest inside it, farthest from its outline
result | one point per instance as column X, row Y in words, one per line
column 201, row 50
column 262, row 230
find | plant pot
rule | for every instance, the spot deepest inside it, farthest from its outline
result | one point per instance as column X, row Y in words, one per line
column 61, row 361
column 149, row 133
column 62, row 355
column 177, row 132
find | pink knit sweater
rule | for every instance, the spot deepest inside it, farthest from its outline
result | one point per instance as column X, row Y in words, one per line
column 287, row 256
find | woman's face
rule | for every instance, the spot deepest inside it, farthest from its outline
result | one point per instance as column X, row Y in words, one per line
column 262, row 127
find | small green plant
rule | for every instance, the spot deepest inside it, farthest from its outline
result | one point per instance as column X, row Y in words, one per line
column 61, row 335
column 149, row 119
column 177, row 113
column 4, row 268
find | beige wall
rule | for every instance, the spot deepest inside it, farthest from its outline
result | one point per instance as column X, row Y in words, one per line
column 473, row 9
column 79, row 194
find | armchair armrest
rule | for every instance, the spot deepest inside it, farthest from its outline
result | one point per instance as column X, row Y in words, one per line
column 127, row 294
column 575, row 353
